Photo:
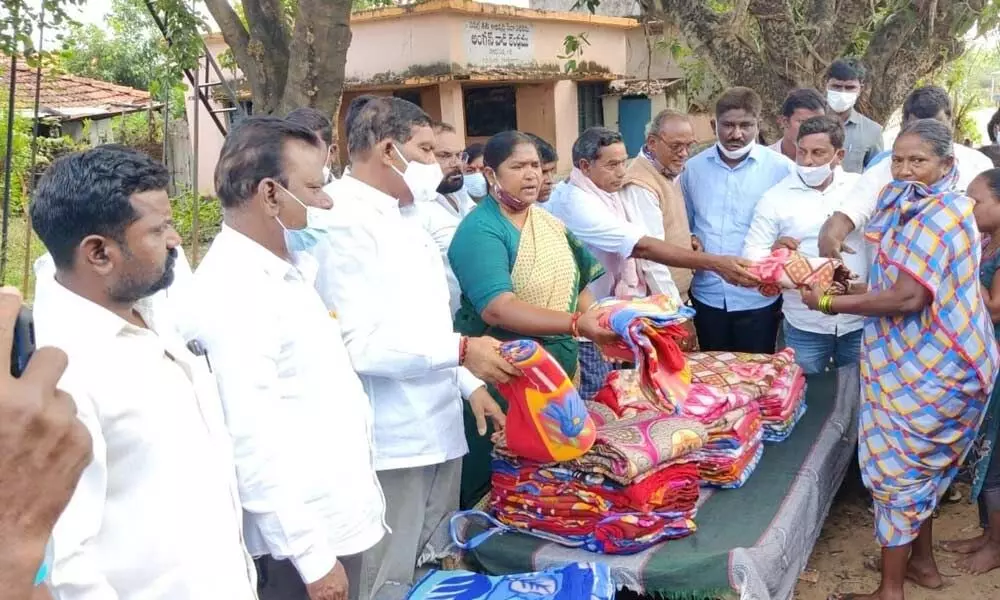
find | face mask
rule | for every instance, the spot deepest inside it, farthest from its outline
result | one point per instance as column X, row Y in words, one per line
column 736, row 154
column 475, row 185
column 841, row 102
column 814, row 176
column 301, row 240
column 422, row 180
column 509, row 200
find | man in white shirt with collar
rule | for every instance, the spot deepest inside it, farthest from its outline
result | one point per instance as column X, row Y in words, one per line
column 298, row 415
column 386, row 282
column 928, row 102
column 156, row 514
column 790, row 215
column 441, row 216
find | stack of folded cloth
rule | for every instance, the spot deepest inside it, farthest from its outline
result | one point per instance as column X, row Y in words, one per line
column 649, row 329
column 771, row 381
column 636, row 486
column 732, row 420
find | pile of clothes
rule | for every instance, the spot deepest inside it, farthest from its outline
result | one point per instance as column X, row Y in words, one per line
column 772, row 382
column 735, row 439
column 575, row 581
column 636, row 486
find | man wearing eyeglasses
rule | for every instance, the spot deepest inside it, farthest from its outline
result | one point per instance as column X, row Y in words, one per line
column 651, row 183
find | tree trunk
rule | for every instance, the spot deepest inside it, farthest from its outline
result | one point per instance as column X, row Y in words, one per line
column 289, row 67
column 774, row 46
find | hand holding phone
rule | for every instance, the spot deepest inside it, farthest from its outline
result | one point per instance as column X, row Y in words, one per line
column 43, row 447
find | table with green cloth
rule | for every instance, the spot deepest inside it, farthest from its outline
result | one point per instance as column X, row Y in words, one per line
column 751, row 542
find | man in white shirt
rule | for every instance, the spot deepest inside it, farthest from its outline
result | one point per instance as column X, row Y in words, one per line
column 599, row 161
column 297, row 414
column 799, row 105
column 928, row 102
column 320, row 124
column 156, row 513
column 790, row 215
column 451, row 203
column 386, row 281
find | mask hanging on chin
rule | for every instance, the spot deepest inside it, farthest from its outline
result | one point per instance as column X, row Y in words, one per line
column 509, row 200
column 302, row 240
column 735, row 154
column 421, row 179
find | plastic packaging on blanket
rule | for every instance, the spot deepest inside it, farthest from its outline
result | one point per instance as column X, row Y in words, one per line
column 575, row 581
column 546, row 418
column 788, row 269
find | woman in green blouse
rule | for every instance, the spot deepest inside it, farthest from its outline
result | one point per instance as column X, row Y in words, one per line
column 522, row 275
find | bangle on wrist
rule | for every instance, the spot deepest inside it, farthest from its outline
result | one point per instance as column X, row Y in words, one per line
column 574, row 324
column 463, row 348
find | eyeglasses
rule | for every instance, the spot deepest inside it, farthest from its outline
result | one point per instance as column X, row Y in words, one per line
column 676, row 147
column 446, row 157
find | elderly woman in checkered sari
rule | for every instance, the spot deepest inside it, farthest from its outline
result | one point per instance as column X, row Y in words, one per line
column 928, row 357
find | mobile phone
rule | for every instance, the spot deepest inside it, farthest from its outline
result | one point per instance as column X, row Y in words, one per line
column 24, row 342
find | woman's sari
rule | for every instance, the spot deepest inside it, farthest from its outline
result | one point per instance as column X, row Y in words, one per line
column 926, row 375
column 543, row 265
column 982, row 450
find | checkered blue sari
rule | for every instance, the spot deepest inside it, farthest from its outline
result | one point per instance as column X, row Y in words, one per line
column 926, row 375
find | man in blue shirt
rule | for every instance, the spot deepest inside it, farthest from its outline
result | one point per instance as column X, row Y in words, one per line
column 721, row 188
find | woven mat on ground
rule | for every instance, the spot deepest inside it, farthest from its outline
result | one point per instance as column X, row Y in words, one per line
column 753, row 541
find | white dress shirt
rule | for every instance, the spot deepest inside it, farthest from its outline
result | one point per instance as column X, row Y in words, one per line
column 860, row 203
column 793, row 209
column 174, row 303
column 156, row 514
column 608, row 236
column 297, row 414
column 382, row 274
column 440, row 219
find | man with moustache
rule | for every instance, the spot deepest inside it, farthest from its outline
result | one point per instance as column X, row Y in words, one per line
column 549, row 159
column 156, row 513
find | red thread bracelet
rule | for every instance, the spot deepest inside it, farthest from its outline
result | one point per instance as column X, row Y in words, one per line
column 463, row 348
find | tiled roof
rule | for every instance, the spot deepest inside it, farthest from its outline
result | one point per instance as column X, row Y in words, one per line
column 67, row 94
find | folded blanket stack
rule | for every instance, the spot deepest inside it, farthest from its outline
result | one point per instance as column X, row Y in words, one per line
column 588, row 581
column 773, row 382
column 633, row 489
column 649, row 329
column 733, row 450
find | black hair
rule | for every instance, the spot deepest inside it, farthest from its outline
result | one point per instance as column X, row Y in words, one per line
column 383, row 118
column 827, row 124
column 993, row 152
column 312, row 119
column 439, row 126
column 588, row 145
column 932, row 131
column 354, row 107
column 474, row 151
column 500, row 146
column 546, row 153
column 992, row 178
column 254, row 150
column 739, row 98
column 846, row 69
column 804, row 98
column 89, row 193
column 926, row 103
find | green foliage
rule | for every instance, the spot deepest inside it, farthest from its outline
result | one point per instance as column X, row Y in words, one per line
column 20, row 158
column 209, row 220
column 573, row 46
column 968, row 81
column 20, row 18
column 359, row 5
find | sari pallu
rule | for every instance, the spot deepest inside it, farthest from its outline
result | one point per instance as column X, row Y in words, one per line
column 926, row 376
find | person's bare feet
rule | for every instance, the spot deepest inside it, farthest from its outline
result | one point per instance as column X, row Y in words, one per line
column 919, row 572
column 878, row 594
column 981, row 561
column 968, row 546
column 924, row 572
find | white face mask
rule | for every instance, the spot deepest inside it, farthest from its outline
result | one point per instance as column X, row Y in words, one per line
column 735, row 154
column 475, row 185
column 841, row 102
column 422, row 179
column 814, row 176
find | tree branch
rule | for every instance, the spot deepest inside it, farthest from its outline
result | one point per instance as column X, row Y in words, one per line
column 318, row 54
column 232, row 28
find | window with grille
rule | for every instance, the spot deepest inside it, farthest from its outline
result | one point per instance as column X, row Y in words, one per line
column 489, row 110
column 589, row 105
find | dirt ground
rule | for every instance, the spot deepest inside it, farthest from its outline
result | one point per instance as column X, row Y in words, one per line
column 837, row 561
